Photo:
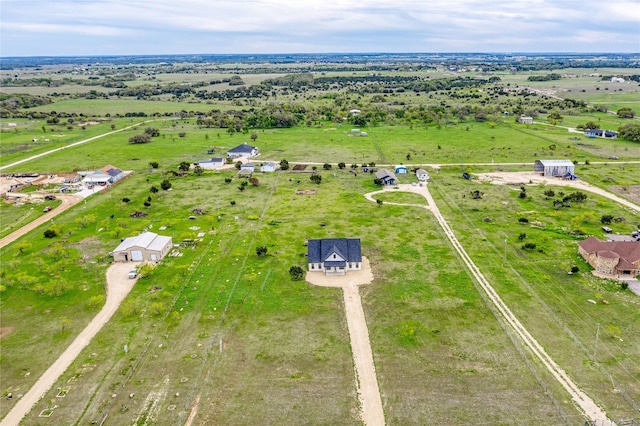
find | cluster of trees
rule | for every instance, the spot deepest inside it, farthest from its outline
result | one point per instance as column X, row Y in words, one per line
column 149, row 132
column 547, row 77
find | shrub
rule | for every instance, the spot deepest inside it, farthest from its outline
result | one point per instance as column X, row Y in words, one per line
column 624, row 285
column 154, row 164
column 296, row 273
column 227, row 180
column 125, row 200
column 529, row 246
column 522, row 236
column 152, row 132
column 326, row 166
column 523, row 220
column 232, row 202
column 165, row 184
column 50, row 233
column 261, row 251
column 139, row 139
column 154, row 189
column 606, row 219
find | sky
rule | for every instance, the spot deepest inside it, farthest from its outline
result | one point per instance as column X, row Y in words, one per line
column 141, row 27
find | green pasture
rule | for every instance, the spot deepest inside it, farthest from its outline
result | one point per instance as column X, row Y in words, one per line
column 259, row 313
column 16, row 215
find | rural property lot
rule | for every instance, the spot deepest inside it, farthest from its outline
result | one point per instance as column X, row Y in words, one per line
column 470, row 315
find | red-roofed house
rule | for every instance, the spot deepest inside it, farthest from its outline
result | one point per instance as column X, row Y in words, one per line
column 611, row 259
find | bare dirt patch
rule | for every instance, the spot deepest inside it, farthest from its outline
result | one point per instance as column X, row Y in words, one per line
column 305, row 192
column 299, row 167
column 5, row 331
column 632, row 192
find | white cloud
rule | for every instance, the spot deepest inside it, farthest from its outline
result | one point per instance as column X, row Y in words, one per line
column 204, row 26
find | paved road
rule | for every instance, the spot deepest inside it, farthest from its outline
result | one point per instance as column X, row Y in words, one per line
column 118, row 286
column 68, row 201
column 581, row 399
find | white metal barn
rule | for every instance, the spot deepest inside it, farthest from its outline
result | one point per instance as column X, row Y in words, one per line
column 554, row 167
column 147, row 246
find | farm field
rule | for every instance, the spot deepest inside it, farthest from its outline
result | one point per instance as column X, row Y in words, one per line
column 216, row 334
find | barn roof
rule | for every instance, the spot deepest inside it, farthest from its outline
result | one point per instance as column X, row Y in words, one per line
column 147, row 240
column 242, row 149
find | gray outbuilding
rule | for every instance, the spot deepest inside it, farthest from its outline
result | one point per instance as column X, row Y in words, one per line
column 553, row 168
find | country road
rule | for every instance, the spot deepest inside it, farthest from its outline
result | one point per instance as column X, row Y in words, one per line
column 68, row 201
column 118, row 287
column 589, row 408
column 71, row 145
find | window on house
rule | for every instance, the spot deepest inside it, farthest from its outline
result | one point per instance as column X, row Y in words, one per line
column 334, row 256
column 313, row 266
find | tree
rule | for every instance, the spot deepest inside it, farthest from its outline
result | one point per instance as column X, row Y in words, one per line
column 261, row 251
column 22, row 246
column 379, row 201
column 152, row 132
column 139, row 139
column 341, row 165
column 284, row 165
column 549, row 193
column 630, row 132
column 197, row 170
column 555, row 118
column 165, row 184
column 378, row 181
column 296, row 273
column 184, row 166
column 154, row 164
column 523, row 192
column 606, row 219
column 238, row 165
column 227, row 180
column 326, row 166
column 254, row 136
column 50, row 233
column 316, row 179
column 626, row 113
column 254, row 181
column 64, row 323
column 153, row 189
column 113, row 127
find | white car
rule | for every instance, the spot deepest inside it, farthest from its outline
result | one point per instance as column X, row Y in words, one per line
column 133, row 274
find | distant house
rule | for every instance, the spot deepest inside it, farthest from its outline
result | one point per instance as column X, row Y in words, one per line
column 599, row 133
column 354, row 111
column 147, row 246
column 115, row 173
column 246, row 173
column 387, row 177
column 248, row 167
column 554, row 167
column 422, row 175
column 334, row 256
column 96, row 178
column 243, row 150
column 213, row 163
column 12, row 124
column 611, row 258
column 268, row 167
column 401, row 170
column 524, row 119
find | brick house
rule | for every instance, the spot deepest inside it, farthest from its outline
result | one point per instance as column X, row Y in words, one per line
column 611, row 259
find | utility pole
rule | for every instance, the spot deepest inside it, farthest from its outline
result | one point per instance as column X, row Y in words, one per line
column 595, row 346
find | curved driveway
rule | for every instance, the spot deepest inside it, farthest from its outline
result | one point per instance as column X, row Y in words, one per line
column 581, row 399
column 118, row 287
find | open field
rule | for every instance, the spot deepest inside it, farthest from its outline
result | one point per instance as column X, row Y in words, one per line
column 217, row 335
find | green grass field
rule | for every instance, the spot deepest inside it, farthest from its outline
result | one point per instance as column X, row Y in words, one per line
column 222, row 330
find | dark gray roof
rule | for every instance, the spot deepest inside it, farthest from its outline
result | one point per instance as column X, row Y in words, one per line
column 114, row 172
column 242, row 148
column 347, row 248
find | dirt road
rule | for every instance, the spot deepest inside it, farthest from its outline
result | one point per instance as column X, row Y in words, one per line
column 71, row 145
column 582, row 400
column 367, row 382
column 523, row 178
column 118, row 286
column 67, row 202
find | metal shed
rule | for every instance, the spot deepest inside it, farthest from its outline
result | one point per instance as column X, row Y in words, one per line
column 554, row 167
